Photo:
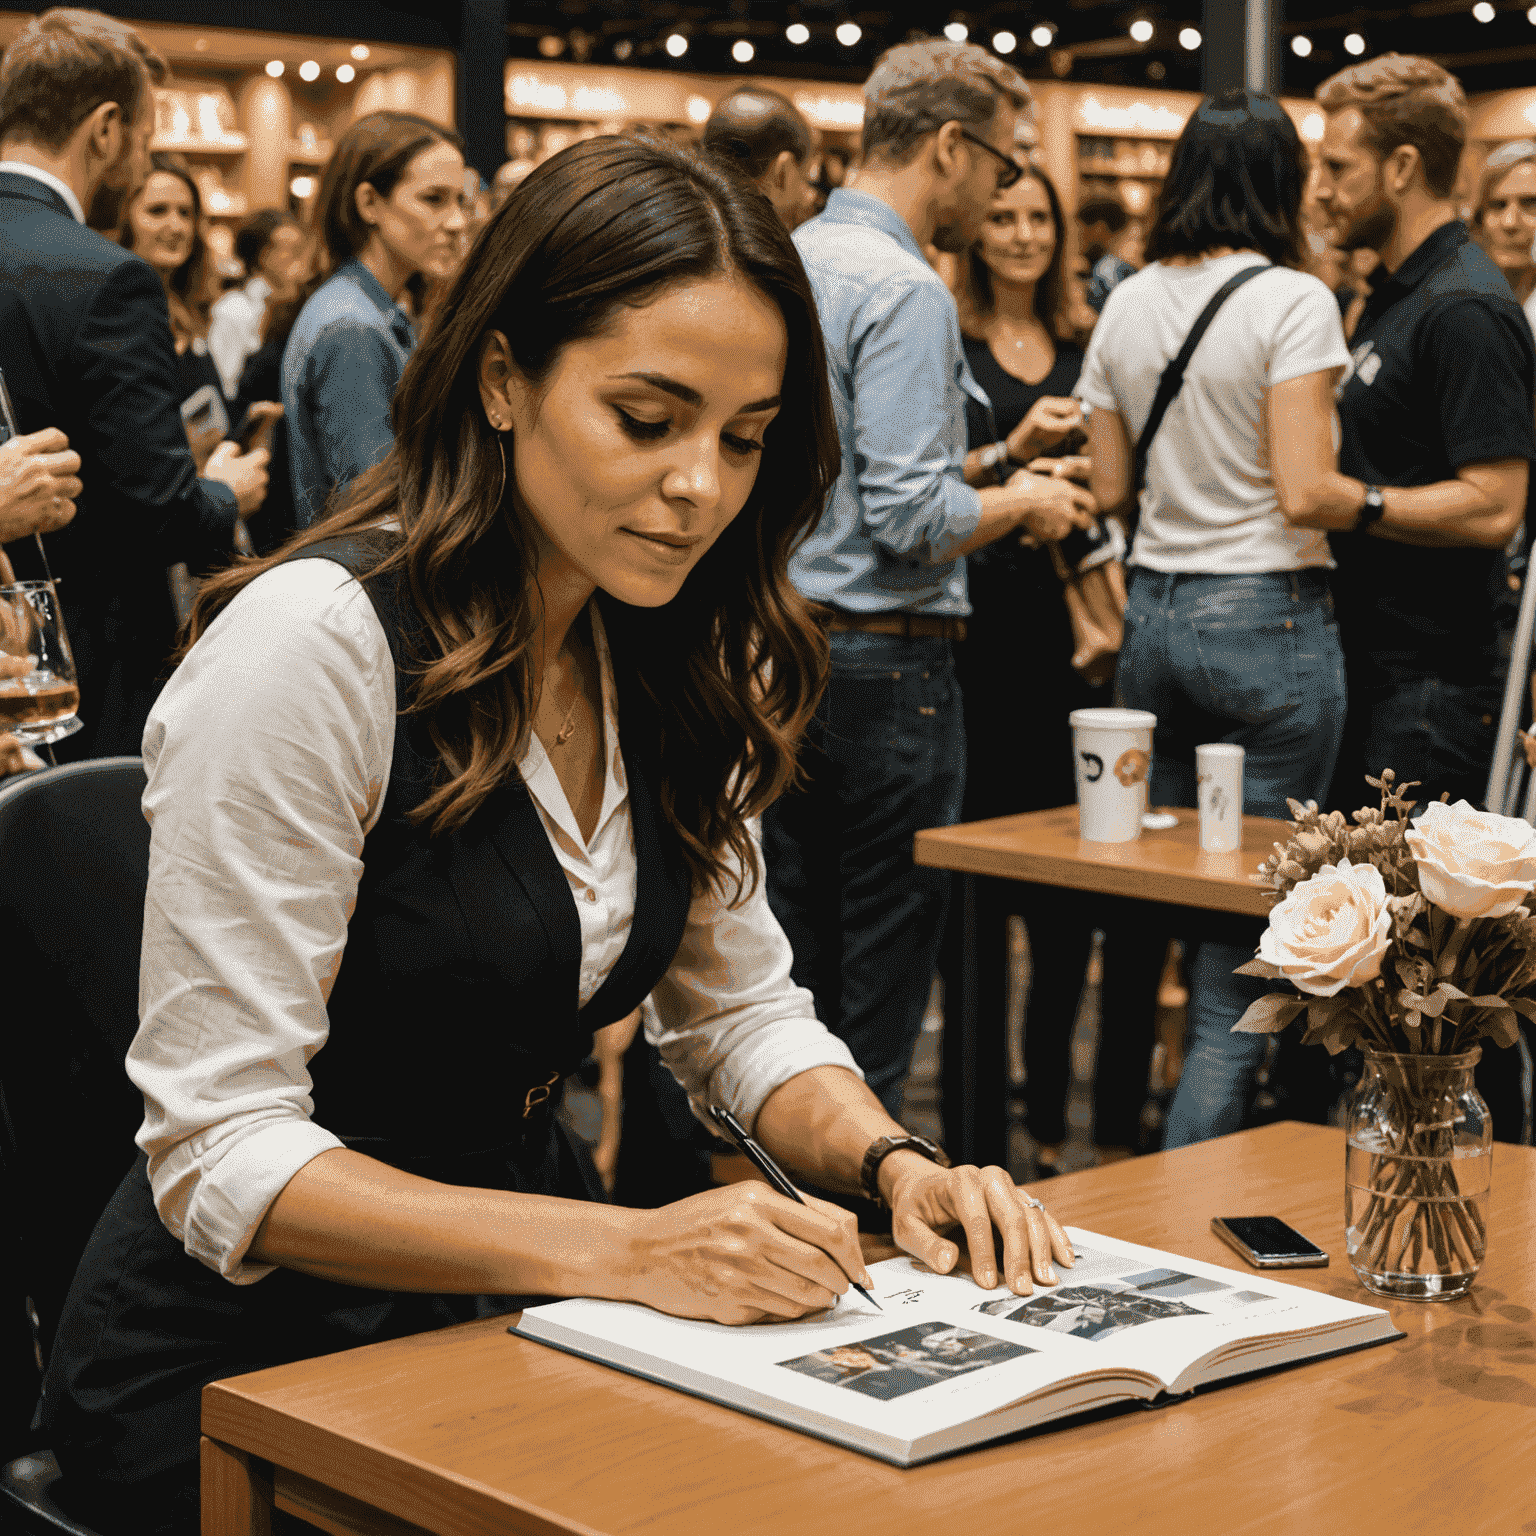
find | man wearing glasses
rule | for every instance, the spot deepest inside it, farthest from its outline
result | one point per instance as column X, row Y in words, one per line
column 886, row 754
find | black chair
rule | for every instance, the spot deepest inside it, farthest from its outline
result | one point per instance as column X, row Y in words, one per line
column 74, row 864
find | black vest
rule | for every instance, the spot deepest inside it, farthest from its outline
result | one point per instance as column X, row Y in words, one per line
column 457, row 993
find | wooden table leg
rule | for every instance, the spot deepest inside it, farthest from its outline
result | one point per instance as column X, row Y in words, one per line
column 236, row 1496
column 966, row 1152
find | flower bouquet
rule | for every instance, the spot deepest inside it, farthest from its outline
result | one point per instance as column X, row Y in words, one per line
column 1412, row 940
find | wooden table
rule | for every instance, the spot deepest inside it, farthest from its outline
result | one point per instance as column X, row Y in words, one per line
column 1167, row 866
column 471, row 1432
column 1043, row 846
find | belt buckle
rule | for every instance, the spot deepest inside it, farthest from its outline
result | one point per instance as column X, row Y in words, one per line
column 539, row 1094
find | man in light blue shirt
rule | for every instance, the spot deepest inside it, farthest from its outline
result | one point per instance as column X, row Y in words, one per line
column 886, row 754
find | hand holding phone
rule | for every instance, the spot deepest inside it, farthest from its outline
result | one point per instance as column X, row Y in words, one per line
column 255, row 430
column 1267, row 1243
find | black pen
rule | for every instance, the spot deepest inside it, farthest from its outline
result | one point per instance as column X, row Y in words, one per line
column 771, row 1171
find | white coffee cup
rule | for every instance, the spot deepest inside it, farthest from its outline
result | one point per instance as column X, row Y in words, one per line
column 1111, row 760
column 1219, row 771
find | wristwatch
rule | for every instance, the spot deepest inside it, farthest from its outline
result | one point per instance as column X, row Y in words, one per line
column 992, row 458
column 1372, row 510
column 869, row 1173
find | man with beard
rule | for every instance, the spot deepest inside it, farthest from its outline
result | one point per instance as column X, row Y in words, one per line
column 85, row 344
column 886, row 754
column 1436, row 412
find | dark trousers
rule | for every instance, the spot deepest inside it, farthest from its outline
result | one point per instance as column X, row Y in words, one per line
column 1440, row 732
column 1060, row 926
column 885, row 757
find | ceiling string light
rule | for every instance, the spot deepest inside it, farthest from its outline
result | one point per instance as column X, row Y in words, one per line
column 1141, row 30
column 1041, row 34
column 742, row 51
column 1301, row 46
column 1004, row 42
column 849, row 33
column 1189, row 38
column 677, row 45
column 798, row 33
column 1354, row 44
column 1483, row 11
column 957, row 32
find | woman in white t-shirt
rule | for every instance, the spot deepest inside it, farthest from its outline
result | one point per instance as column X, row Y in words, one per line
column 1230, row 634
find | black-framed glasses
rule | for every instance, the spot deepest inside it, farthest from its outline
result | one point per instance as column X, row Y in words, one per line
column 1011, row 170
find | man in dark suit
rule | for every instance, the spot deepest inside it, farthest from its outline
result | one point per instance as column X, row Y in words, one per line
column 85, row 345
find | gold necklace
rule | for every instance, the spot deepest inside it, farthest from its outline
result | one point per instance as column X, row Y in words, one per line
column 568, row 725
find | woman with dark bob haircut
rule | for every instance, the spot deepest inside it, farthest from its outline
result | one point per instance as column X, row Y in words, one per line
column 454, row 779
column 1229, row 628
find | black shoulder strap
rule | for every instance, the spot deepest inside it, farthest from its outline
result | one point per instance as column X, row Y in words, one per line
column 1172, row 380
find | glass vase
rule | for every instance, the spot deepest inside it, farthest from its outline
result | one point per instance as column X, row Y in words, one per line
column 1418, row 1165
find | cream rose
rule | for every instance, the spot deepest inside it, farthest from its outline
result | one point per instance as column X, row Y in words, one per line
column 1473, row 863
column 1331, row 931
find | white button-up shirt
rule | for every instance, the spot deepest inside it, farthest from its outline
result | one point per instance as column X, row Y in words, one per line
column 268, row 755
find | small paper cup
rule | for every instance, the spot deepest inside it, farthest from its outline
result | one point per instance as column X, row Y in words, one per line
column 1219, row 771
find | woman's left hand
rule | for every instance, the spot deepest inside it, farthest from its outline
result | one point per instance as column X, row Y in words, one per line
column 927, row 1201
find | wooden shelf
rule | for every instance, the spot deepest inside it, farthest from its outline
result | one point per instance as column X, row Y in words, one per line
column 199, row 146
column 1134, row 172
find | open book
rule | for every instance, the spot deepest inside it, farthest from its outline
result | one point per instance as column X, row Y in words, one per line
column 947, row 1365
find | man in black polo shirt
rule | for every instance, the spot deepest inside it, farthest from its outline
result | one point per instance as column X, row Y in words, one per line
column 1437, row 418
column 1438, row 438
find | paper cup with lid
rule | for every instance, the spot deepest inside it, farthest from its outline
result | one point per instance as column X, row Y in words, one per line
column 1111, row 761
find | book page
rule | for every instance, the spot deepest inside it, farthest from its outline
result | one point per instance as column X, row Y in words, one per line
column 926, row 1362
column 1164, row 1312
column 944, row 1352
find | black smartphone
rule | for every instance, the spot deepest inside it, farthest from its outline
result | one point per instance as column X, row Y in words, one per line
column 1267, row 1243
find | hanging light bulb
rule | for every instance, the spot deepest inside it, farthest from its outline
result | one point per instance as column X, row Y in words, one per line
column 1141, row 30
column 1041, row 34
column 677, row 45
column 957, row 31
column 798, row 33
column 1354, row 44
column 1301, row 46
column 1004, row 42
column 742, row 51
column 1189, row 38
column 849, row 33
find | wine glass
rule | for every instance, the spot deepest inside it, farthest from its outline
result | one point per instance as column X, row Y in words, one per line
column 39, row 694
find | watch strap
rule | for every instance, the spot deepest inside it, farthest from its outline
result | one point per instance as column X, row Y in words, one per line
column 869, row 1172
column 1373, row 508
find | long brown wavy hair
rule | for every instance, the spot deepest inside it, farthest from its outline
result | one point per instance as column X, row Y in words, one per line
column 731, row 668
column 1053, row 306
column 189, row 289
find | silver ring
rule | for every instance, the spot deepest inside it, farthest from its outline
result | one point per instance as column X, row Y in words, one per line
column 1030, row 1200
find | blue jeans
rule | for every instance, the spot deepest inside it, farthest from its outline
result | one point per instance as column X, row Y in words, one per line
column 1253, row 660
column 885, row 756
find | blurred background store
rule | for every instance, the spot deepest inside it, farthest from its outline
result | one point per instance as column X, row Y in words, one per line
column 255, row 107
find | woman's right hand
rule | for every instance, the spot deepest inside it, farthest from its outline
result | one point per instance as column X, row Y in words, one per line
column 1052, row 506
column 1047, row 421
column 743, row 1253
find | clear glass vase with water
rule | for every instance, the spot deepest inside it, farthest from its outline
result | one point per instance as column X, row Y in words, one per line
column 1417, row 1173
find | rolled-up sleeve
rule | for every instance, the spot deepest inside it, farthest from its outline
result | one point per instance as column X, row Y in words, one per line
column 268, row 755
column 729, row 1023
column 906, row 396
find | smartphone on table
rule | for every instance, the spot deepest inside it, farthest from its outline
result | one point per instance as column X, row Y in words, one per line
column 1268, row 1243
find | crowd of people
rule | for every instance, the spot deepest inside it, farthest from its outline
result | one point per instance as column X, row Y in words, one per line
column 592, row 586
